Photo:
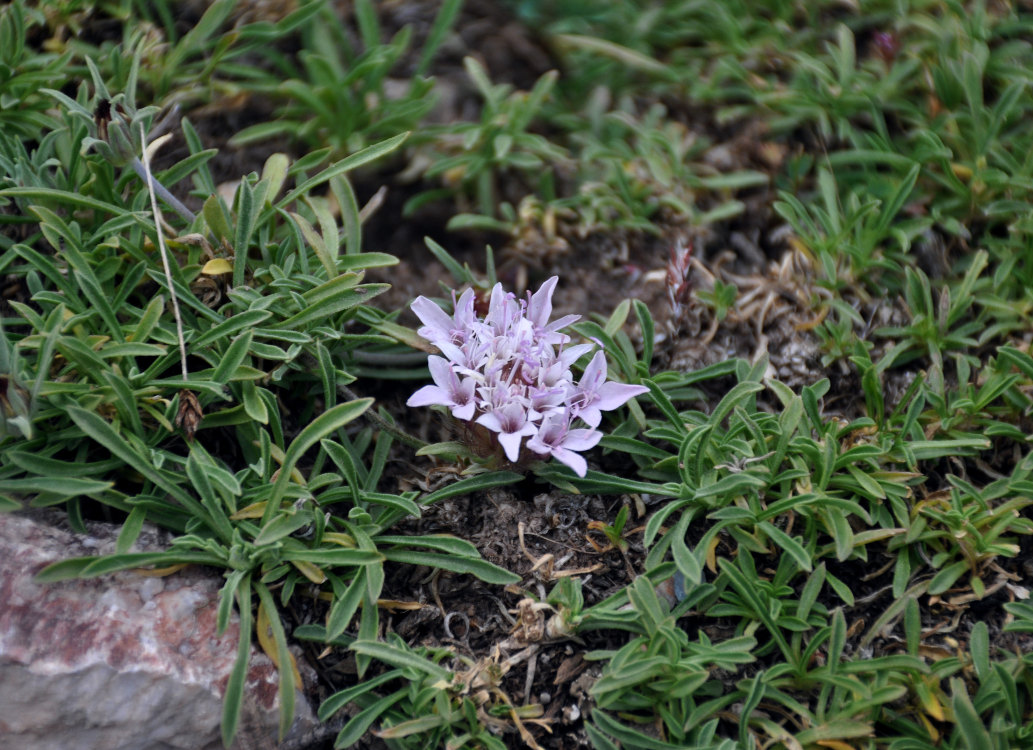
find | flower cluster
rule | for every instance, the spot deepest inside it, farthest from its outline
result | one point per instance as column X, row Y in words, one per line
column 510, row 372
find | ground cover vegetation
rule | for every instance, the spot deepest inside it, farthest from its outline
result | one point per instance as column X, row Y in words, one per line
column 800, row 240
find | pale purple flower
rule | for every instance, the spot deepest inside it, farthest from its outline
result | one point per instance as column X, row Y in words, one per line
column 543, row 400
column 594, row 395
column 539, row 308
column 510, row 422
column 449, row 390
column 441, row 328
column 511, row 373
column 503, row 310
column 555, row 438
column 556, row 370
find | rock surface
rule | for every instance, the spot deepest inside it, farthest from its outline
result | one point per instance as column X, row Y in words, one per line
column 123, row 662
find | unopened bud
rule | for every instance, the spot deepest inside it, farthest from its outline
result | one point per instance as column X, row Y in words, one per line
column 678, row 269
column 189, row 415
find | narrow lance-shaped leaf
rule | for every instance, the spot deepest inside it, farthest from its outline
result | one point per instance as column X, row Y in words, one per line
column 348, row 163
column 325, row 424
column 99, row 430
column 284, row 659
column 234, row 697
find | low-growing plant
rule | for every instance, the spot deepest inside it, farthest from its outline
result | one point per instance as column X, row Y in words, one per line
column 427, row 703
column 508, row 373
column 97, row 381
column 341, row 93
column 832, row 565
column 471, row 157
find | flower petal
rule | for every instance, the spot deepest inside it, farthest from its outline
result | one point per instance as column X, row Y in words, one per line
column 590, row 415
column 572, row 354
column 582, row 440
column 563, row 322
column 465, row 313
column 465, row 411
column 491, row 421
column 540, row 307
column 434, row 318
column 440, row 370
column 538, row 445
column 611, row 395
column 595, row 372
column 571, row 459
column 429, row 395
column 510, row 442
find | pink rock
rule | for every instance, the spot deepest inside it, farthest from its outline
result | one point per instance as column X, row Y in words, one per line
column 125, row 661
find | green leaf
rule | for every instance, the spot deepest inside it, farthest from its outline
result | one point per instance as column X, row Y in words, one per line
column 470, row 485
column 789, row 545
column 835, row 729
column 248, row 319
column 342, row 698
column 972, row 729
column 246, row 219
column 624, row 55
column 645, row 324
column 94, row 567
column 254, row 406
column 732, row 485
column 946, row 577
column 233, row 358
column 361, row 261
column 97, row 429
column 8, row 504
column 344, row 607
column 628, row 737
column 419, row 725
column 979, row 645
column 198, row 463
column 68, row 198
column 59, row 486
column 326, row 306
column 403, row 658
column 684, row 558
column 281, row 526
column 325, row 424
column 357, row 159
column 461, row 274
column 451, row 545
column 356, row 727
column 344, row 193
column 131, row 528
column 663, row 403
column 233, row 699
column 443, row 22
column 215, row 218
column 344, row 460
column 596, row 481
column 481, row 568
column 333, row 556
column 735, row 397
column 283, row 658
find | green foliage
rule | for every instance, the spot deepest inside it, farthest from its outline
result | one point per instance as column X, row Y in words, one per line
column 474, row 156
column 280, row 317
column 428, row 704
column 803, row 549
column 340, row 93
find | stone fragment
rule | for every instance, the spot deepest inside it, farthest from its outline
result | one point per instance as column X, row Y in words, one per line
column 122, row 662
